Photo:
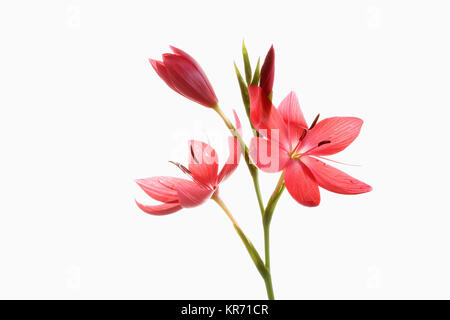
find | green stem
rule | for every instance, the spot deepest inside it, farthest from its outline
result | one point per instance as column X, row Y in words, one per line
column 268, row 278
column 270, row 208
column 266, row 223
column 265, row 212
column 263, row 270
column 267, row 245
column 251, row 167
column 255, row 178
column 247, row 243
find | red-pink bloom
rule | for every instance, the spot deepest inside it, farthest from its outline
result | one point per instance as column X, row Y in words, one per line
column 268, row 72
column 184, row 75
column 291, row 146
column 176, row 193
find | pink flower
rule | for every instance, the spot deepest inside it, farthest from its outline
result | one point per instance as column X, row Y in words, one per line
column 268, row 72
column 290, row 146
column 184, row 75
column 176, row 193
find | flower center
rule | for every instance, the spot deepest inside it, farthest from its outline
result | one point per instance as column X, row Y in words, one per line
column 294, row 154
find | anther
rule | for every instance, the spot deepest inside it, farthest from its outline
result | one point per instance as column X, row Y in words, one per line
column 323, row 142
column 303, row 134
column 314, row 122
column 181, row 167
column 193, row 155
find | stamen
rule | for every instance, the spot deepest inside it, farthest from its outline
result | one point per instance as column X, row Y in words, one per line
column 300, row 140
column 318, row 145
column 323, row 142
column 314, row 122
column 186, row 171
column 181, row 167
column 193, row 155
column 303, row 134
column 347, row 164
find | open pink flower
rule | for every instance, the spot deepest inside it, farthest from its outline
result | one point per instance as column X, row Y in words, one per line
column 176, row 193
column 184, row 75
column 291, row 146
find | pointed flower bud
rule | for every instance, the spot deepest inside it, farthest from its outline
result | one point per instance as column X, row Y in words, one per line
column 268, row 72
column 247, row 66
column 255, row 79
column 244, row 90
column 184, row 75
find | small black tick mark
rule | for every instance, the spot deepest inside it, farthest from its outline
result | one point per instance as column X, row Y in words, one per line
column 193, row 155
column 323, row 142
column 314, row 122
column 303, row 134
column 181, row 167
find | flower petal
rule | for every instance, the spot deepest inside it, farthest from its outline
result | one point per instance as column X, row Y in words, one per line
column 238, row 122
column 292, row 115
column 301, row 185
column 162, row 73
column 266, row 118
column 331, row 136
column 189, row 79
column 203, row 162
column 232, row 161
column 161, row 209
column 234, row 156
column 192, row 194
column 268, row 155
column 291, row 112
column 180, row 52
column 333, row 179
column 159, row 188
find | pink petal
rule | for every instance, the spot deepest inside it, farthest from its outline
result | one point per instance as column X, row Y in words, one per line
column 266, row 118
column 331, row 135
column 195, row 64
column 192, row 194
column 290, row 111
column 232, row 161
column 203, row 162
column 189, row 79
column 162, row 73
column 238, row 122
column 301, row 185
column 160, row 210
column 268, row 155
column 333, row 179
column 160, row 188
column 292, row 115
column 234, row 156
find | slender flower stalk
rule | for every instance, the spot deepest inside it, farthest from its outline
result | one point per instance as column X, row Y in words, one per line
column 263, row 269
column 254, row 173
column 268, row 278
column 247, row 243
column 271, row 204
column 268, row 212
column 251, row 167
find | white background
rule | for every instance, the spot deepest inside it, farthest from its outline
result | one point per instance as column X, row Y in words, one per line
column 82, row 115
